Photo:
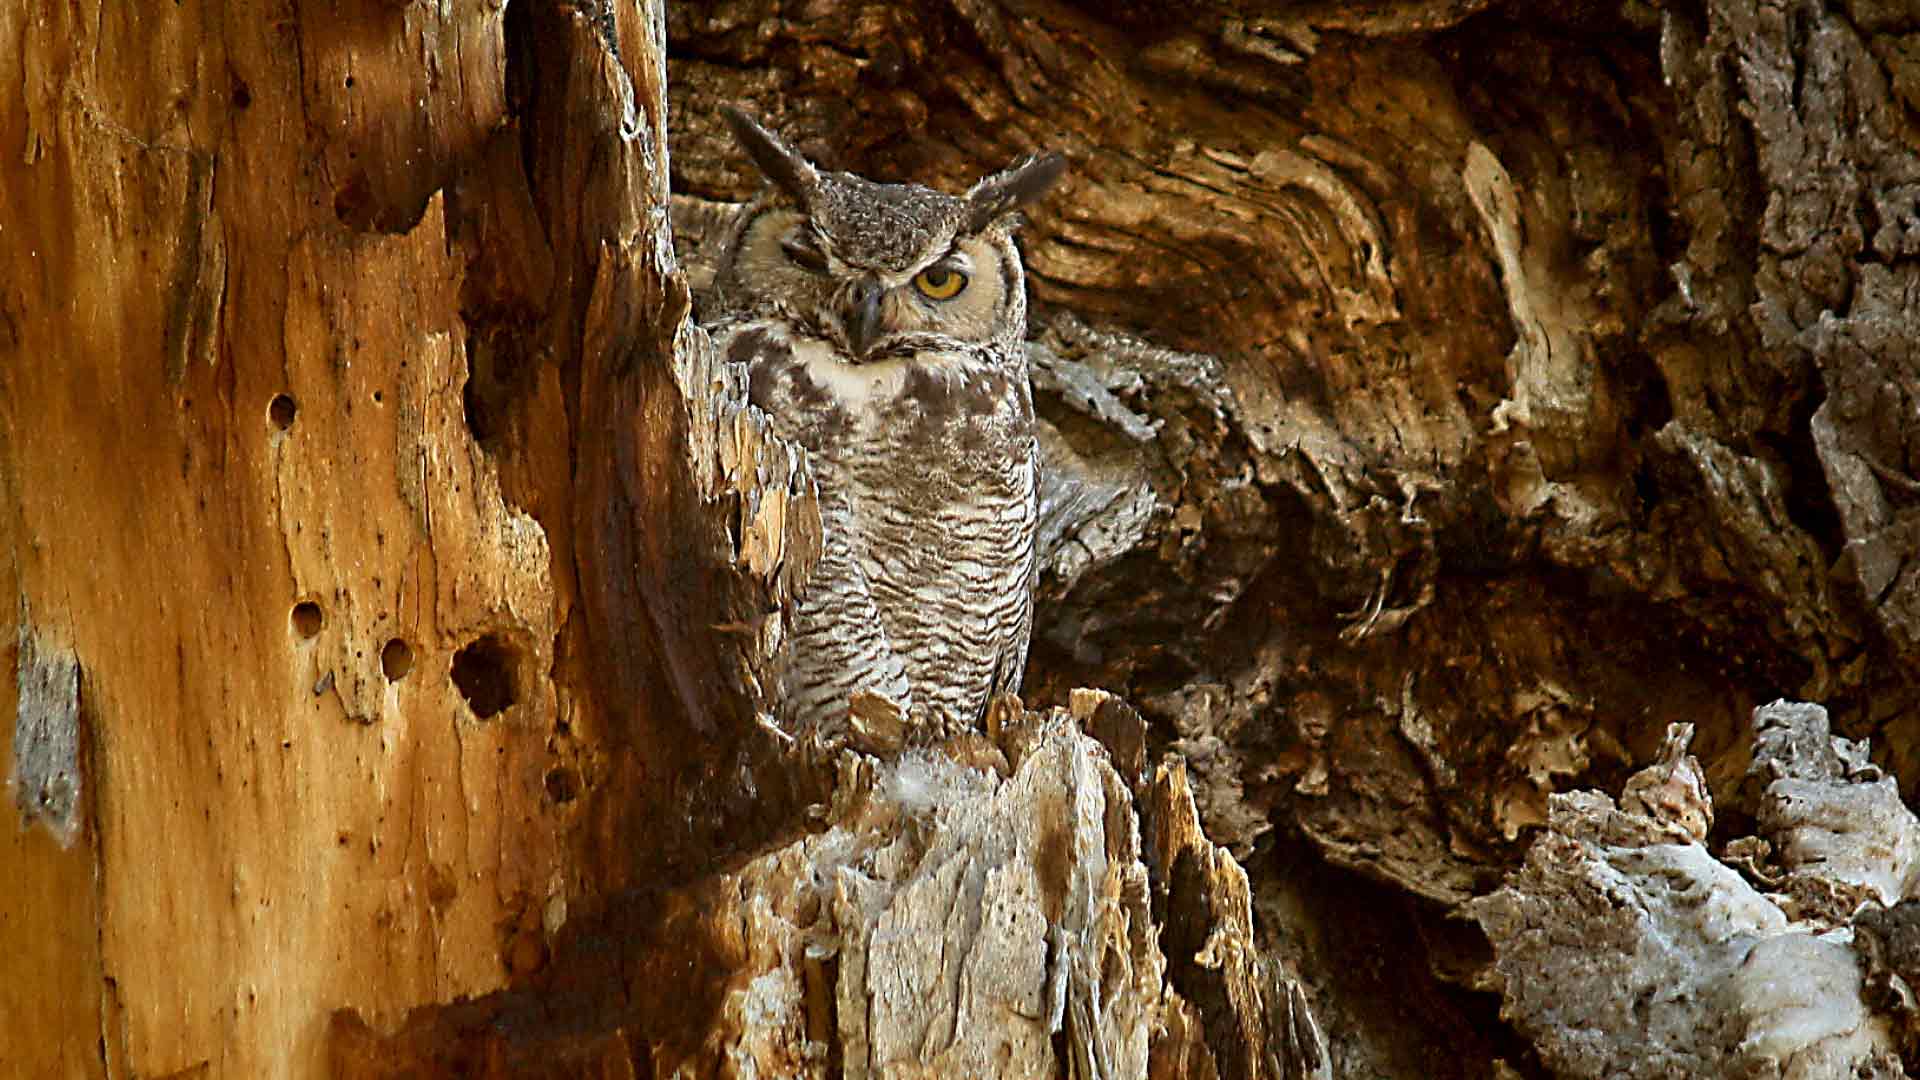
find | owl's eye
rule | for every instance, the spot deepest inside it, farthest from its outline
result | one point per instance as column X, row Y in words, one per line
column 800, row 248
column 940, row 283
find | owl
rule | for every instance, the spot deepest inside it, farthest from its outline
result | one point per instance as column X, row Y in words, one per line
column 882, row 327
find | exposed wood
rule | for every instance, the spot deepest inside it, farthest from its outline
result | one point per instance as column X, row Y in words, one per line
column 343, row 737
column 1627, row 950
column 238, row 471
column 1550, row 362
column 1441, row 399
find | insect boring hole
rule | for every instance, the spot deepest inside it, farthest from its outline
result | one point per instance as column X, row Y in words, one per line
column 497, row 379
column 307, row 618
column 396, row 659
column 281, row 411
column 485, row 674
column 563, row 784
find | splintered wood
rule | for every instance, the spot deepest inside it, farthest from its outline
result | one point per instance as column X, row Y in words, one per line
column 950, row 921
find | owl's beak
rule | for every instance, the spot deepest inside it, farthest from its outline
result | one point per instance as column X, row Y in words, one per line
column 863, row 316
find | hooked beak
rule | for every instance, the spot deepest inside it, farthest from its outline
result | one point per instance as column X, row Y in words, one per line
column 863, row 315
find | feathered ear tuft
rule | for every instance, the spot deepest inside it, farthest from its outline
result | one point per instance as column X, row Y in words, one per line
column 789, row 170
column 1003, row 193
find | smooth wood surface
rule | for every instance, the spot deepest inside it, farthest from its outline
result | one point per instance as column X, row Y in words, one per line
column 203, row 208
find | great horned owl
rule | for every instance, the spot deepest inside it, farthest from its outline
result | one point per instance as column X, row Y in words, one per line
column 882, row 326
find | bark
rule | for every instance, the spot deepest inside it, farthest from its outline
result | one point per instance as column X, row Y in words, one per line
column 1626, row 949
column 1443, row 398
column 1447, row 395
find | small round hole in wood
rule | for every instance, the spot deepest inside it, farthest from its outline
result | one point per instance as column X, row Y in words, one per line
column 281, row 410
column 307, row 618
column 563, row 784
column 396, row 659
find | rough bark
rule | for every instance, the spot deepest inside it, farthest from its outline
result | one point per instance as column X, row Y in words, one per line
column 1626, row 950
column 1443, row 398
column 1449, row 397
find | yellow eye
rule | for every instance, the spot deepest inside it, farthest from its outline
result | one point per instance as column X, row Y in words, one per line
column 940, row 283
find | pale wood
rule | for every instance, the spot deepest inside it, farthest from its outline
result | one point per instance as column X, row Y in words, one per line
column 273, row 828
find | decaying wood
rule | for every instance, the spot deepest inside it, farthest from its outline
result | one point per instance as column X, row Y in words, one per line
column 1529, row 334
column 240, row 495
column 1626, row 949
column 986, row 909
column 315, row 454
column 1442, row 399
column 949, row 922
column 1235, row 1012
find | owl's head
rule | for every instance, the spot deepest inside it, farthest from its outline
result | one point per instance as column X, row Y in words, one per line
column 882, row 270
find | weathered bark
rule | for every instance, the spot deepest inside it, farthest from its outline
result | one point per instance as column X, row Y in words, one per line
column 1450, row 396
column 1442, row 398
column 1626, row 950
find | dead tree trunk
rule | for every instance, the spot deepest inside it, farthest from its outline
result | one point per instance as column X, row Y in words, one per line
column 365, row 516
column 283, row 629
column 1443, row 397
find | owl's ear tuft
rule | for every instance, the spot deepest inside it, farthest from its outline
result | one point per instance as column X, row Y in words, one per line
column 784, row 167
column 1003, row 193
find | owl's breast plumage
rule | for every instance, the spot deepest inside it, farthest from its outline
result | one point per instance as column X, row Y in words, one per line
column 926, row 471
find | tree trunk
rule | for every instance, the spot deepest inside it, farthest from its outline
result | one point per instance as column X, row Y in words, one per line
column 1441, row 399
column 324, row 666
